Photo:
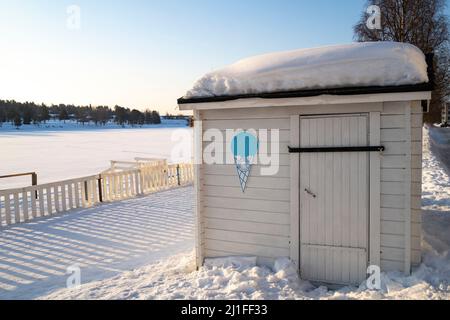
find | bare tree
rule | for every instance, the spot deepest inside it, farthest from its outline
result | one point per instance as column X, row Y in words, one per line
column 423, row 24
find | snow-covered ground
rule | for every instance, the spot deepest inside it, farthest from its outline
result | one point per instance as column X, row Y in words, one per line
column 176, row 277
column 61, row 151
column 143, row 249
column 103, row 241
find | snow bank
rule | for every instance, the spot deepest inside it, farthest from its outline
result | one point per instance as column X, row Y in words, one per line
column 239, row 278
column 357, row 64
column 176, row 278
column 234, row 262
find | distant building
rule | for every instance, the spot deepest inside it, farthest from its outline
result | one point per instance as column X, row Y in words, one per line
column 446, row 113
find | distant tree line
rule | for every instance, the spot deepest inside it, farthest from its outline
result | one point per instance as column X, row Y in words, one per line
column 31, row 113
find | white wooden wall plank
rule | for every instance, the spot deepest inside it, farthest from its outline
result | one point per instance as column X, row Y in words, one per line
column 248, row 238
column 246, row 226
column 77, row 195
column 33, row 203
column 63, row 197
column 286, row 112
column 250, row 193
column 198, row 159
column 294, row 191
column 363, row 199
column 247, row 249
column 375, row 190
column 16, row 207
column 249, row 204
column 261, row 182
column 25, row 205
column 328, row 170
column 272, row 123
column 70, row 195
column 247, row 215
column 84, row 201
column 57, row 198
column 8, row 209
column 41, row 199
column 407, row 189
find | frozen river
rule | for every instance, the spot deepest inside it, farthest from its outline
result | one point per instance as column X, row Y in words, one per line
column 65, row 153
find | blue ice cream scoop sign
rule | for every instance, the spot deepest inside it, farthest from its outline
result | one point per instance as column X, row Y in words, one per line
column 244, row 146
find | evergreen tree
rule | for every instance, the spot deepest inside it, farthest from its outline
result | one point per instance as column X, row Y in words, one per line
column 43, row 113
column 28, row 115
column 63, row 114
column 17, row 120
column 156, row 119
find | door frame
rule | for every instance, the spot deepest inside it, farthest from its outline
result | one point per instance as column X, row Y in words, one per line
column 374, row 254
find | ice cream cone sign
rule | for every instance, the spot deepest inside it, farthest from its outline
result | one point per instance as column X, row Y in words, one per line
column 244, row 146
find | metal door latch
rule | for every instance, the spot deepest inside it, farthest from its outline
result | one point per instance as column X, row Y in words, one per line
column 312, row 194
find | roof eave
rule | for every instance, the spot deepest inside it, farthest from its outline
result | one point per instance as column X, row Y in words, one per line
column 313, row 92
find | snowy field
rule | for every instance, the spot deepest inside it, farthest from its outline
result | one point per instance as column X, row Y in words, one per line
column 103, row 241
column 59, row 151
column 143, row 249
column 176, row 277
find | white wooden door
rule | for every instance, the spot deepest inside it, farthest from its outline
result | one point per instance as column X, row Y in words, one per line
column 334, row 200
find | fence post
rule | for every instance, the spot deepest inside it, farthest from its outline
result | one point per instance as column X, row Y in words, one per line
column 178, row 174
column 34, row 183
column 86, row 192
column 100, row 192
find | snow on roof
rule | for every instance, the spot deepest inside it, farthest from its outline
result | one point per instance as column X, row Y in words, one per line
column 340, row 66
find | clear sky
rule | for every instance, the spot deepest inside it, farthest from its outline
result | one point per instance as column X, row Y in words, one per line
column 146, row 54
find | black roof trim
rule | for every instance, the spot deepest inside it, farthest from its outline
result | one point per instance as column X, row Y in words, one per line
column 315, row 92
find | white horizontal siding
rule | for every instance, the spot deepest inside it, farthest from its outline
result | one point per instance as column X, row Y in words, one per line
column 287, row 111
column 239, row 248
column 230, row 170
column 416, row 191
column 246, row 124
column 394, row 184
column 266, row 261
column 250, row 193
column 283, row 135
column 254, row 181
column 246, row 204
column 248, row 238
column 254, row 222
column 257, row 222
column 248, row 215
column 392, row 135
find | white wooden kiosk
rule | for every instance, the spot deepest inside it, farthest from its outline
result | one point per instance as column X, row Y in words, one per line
column 347, row 194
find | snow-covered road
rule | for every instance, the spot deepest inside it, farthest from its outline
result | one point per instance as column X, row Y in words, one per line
column 103, row 241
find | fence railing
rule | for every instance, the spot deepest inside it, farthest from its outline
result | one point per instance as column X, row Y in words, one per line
column 25, row 204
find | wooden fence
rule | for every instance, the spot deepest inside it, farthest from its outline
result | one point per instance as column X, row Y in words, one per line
column 25, row 204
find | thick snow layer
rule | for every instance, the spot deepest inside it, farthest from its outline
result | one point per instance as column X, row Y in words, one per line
column 356, row 64
column 239, row 278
